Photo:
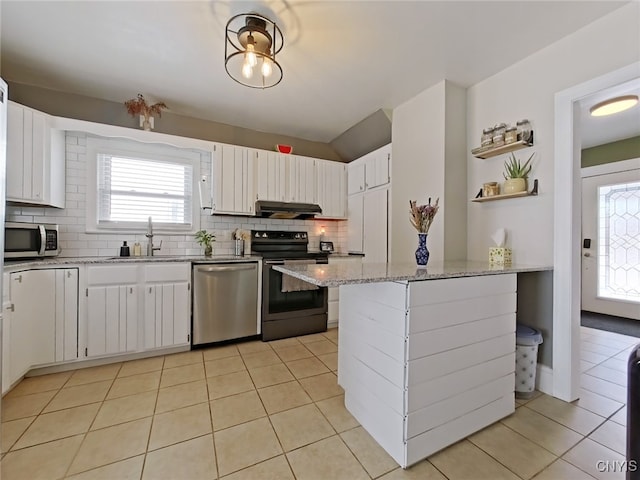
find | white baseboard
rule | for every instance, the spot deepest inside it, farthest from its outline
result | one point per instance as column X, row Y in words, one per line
column 544, row 379
column 333, row 324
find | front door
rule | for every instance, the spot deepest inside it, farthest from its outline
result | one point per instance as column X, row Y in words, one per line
column 611, row 244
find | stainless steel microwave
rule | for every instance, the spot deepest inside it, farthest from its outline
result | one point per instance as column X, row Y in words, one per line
column 29, row 240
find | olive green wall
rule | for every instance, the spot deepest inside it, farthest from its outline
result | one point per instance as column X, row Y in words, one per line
column 611, row 152
column 91, row 109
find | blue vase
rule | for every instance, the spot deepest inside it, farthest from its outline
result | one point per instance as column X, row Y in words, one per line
column 422, row 253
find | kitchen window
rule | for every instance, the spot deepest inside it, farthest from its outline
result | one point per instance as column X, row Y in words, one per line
column 133, row 182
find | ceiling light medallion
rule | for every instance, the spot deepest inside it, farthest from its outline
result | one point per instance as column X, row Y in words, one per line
column 251, row 44
column 613, row 105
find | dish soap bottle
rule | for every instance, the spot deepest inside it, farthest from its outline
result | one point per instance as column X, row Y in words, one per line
column 124, row 250
column 137, row 249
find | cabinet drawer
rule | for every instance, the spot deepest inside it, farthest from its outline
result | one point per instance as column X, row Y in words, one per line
column 177, row 272
column 112, row 275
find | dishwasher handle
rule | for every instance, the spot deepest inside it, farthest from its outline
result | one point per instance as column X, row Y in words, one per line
column 225, row 268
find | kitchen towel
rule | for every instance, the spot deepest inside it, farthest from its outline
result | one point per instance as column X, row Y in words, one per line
column 292, row 284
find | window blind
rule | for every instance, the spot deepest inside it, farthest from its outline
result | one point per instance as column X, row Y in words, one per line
column 130, row 190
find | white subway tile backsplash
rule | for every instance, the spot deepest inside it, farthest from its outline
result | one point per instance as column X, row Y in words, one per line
column 75, row 241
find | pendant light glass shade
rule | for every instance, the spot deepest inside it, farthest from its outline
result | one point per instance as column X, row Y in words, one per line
column 613, row 105
column 251, row 44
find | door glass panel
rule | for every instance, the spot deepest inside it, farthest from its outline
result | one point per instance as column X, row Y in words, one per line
column 619, row 241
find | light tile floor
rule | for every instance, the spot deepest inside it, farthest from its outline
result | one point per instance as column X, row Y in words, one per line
column 274, row 411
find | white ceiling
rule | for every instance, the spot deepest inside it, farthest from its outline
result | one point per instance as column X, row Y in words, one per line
column 342, row 60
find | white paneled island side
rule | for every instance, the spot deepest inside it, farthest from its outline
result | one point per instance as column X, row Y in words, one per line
column 426, row 356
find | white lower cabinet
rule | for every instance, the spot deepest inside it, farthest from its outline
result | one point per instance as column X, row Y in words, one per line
column 40, row 321
column 112, row 310
column 167, row 305
column 136, row 307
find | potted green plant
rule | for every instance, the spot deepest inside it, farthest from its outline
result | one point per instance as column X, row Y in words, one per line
column 516, row 174
column 206, row 239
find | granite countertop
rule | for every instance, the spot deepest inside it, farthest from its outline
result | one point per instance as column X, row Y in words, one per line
column 349, row 273
column 55, row 261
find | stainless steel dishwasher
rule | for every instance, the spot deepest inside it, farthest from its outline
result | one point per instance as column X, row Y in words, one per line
column 225, row 302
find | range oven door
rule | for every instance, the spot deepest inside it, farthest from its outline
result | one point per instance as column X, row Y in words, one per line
column 289, row 314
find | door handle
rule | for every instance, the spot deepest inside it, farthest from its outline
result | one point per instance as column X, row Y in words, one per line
column 587, row 254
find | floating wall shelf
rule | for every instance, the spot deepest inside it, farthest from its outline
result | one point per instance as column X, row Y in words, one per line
column 488, row 152
column 504, row 196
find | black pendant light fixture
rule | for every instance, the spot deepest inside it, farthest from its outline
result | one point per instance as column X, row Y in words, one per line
column 251, row 44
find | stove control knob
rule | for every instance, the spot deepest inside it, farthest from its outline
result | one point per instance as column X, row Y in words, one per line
column 264, row 235
column 297, row 235
column 257, row 235
column 304, row 235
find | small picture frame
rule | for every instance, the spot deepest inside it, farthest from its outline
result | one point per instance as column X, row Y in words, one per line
column 326, row 247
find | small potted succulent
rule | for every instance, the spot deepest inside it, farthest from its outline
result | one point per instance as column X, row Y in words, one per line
column 206, row 239
column 516, row 174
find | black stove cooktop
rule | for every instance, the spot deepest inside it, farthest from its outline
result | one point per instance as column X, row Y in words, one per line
column 282, row 244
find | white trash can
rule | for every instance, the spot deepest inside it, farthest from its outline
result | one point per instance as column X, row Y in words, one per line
column 527, row 341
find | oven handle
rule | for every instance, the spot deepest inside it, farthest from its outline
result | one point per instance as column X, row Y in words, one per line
column 274, row 262
column 43, row 239
column 281, row 262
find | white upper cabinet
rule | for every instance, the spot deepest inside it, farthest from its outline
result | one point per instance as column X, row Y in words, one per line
column 302, row 180
column 232, row 171
column 370, row 171
column 377, row 167
column 270, row 170
column 356, row 177
column 332, row 188
column 35, row 158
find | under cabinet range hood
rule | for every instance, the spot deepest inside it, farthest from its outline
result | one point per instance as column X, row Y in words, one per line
column 270, row 209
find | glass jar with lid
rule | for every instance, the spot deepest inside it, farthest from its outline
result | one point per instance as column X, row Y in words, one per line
column 498, row 134
column 511, row 135
column 487, row 137
column 524, row 130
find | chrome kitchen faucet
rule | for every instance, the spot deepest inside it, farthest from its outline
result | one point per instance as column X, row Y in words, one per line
column 149, row 235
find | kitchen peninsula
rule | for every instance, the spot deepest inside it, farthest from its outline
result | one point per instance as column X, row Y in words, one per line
column 426, row 356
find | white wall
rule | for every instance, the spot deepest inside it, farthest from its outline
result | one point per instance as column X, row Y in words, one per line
column 75, row 242
column 429, row 161
column 526, row 90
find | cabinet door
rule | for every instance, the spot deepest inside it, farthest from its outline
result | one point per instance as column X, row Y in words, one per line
column 302, row 180
column 112, row 319
column 233, row 177
column 355, row 206
column 166, row 314
column 27, row 148
column 32, row 323
column 7, row 379
column 355, row 177
column 374, row 238
column 66, row 314
column 331, row 184
column 271, row 176
column 377, row 167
